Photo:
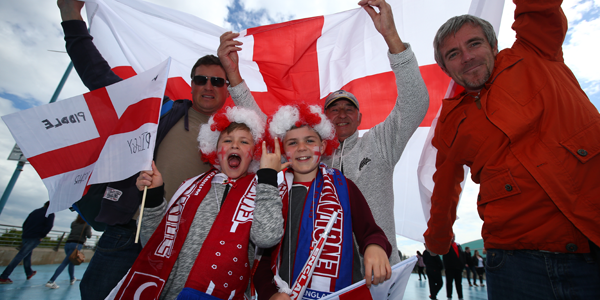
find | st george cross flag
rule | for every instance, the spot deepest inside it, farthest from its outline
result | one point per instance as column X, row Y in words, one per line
column 391, row 289
column 303, row 59
column 105, row 135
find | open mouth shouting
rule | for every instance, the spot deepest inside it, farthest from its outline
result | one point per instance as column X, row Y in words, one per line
column 234, row 160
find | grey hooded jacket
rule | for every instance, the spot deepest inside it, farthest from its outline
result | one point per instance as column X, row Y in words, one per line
column 369, row 160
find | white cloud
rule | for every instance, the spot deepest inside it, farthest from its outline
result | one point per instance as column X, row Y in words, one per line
column 581, row 54
column 574, row 9
column 581, row 43
column 300, row 9
column 27, row 32
column 213, row 11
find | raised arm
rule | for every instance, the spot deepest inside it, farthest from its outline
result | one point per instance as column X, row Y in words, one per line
column 240, row 94
column 92, row 68
column 70, row 9
column 384, row 23
column 541, row 27
column 228, row 55
column 412, row 102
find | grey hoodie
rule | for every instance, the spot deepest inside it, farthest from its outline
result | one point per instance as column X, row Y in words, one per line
column 369, row 160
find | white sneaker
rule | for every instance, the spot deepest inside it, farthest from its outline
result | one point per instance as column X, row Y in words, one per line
column 73, row 281
column 52, row 285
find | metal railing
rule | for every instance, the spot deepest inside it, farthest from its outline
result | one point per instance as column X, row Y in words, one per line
column 10, row 236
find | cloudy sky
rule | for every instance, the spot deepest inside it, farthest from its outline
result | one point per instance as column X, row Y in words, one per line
column 32, row 61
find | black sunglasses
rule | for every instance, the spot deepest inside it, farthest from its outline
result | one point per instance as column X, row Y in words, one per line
column 215, row 81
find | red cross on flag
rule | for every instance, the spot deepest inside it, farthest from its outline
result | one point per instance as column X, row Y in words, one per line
column 102, row 136
column 300, row 60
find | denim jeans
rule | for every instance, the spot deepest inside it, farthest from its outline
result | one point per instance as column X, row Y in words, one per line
column 115, row 254
column 27, row 246
column 528, row 274
column 470, row 270
column 69, row 248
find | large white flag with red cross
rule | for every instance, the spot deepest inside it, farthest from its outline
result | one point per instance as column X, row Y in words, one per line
column 102, row 136
column 300, row 60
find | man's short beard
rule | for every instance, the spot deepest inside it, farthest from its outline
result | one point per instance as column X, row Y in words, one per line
column 479, row 84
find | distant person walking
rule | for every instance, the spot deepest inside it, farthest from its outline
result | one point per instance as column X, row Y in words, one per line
column 420, row 265
column 454, row 263
column 80, row 232
column 479, row 267
column 469, row 266
column 35, row 228
column 433, row 267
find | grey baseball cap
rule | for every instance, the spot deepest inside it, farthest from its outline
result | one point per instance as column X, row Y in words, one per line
column 338, row 95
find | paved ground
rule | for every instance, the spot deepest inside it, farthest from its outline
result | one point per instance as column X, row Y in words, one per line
column 35, row 287
column 420, row 290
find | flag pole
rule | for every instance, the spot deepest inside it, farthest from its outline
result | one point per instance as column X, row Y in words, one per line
column 20, row 164
column 139, row 224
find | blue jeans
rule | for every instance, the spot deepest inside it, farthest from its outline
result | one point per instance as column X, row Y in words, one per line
column 27, row 246
column 528, row 274
column 470, row 270
column 115, row 254
column 69, row 248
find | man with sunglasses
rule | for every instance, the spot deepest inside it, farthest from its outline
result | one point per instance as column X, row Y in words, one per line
column 176, row 152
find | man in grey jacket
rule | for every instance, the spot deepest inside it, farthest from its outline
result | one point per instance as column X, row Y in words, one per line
column 369, row 160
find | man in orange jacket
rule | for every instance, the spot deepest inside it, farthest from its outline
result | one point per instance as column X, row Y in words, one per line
column 532, row 140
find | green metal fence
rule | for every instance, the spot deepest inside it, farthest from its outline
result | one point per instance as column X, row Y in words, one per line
column 10, row 236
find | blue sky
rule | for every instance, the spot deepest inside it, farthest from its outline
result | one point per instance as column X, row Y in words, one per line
column 33, row 61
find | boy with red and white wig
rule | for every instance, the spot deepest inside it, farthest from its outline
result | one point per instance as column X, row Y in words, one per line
column 311, row 193
column 202, row 241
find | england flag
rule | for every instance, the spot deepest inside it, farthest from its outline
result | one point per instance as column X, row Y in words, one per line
column 102, row 136
column 304, row 60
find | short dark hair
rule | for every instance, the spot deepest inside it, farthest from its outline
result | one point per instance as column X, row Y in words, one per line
column 206, row 60
column 305, row 125
column 453, row 25
column 234, row 125
column 47, row 204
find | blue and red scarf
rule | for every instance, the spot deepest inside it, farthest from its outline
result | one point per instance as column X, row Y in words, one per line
column 333, row 270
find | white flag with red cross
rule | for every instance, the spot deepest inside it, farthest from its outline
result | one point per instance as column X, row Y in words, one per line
column 300, row 60
column 102, row 136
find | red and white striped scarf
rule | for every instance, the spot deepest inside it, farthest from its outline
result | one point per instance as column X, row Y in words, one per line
column 221, row 268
